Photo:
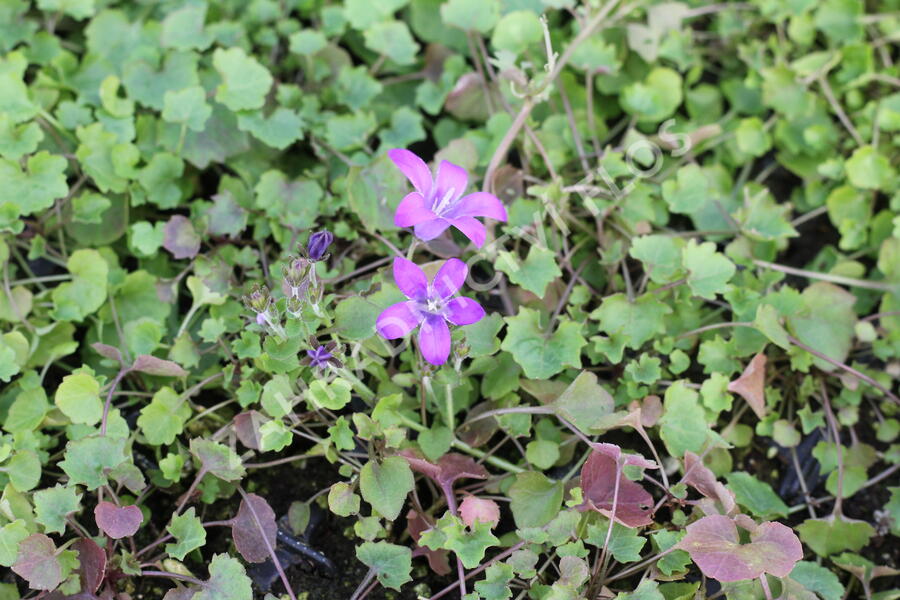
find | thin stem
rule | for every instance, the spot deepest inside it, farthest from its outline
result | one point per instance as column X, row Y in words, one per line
column 848, row 368
column 840, row 279
column 713, row 327
column 177, row 576
column 106, row 406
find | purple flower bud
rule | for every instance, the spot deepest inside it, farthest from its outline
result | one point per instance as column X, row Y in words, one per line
column 317, row 247
column 261, row 319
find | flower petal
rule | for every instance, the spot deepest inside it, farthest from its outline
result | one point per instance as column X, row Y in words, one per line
column 479, row 204
column 412, row 211
column 463, row 311
column 414, row 168
column 396, row 321
column 434, row 339
column 451, row 179
column 410, row 279
column 450, row 277
column 428, row 230
column 472, row 229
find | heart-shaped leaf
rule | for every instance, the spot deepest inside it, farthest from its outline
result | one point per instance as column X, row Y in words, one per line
column 254, row 526
column 151, row 365
column 118, row 521
column 599, row 475
column 714, row 545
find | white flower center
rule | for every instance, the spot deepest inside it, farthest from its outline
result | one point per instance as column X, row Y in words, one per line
column 444, row 203
column 434, row 305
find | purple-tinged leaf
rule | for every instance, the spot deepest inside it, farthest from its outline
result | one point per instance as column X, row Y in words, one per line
column 37, row 563
column 437, row 559
column 107, row 351
column 118, row 522
column 91, row 564
column 180, row 238
column 715, row 547
column 449, row 467
column 253, row 525
column 598, row 484
column 246, row 426
column 151, row 365
column 615, row 453
column 701, row 478
column 181, row 593
column 751, row 385
column 474, row 510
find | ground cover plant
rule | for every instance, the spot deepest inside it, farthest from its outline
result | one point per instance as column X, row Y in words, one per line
column 482, row 299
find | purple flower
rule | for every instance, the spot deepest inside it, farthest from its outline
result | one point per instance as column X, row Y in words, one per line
column 430, row 307
column 319, row 357
column 439, row 203
column 317, row 246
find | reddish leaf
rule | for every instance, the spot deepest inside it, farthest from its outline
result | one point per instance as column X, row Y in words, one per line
column 474, row 509
column 91, row 564
column 157, row 366
column 118, row 522
column 714, row 545
column 181, row 593
column 701, row 478
column 751, row 385
column 615, row 453
column 36, row 562
column 252, row 527
column 449, row 467
column 246, row 426
column 437, row 559
column 598, row 483
column 107, row 351
column 180, row 238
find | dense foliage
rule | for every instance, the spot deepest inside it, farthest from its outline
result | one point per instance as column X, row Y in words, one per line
column 555, row 299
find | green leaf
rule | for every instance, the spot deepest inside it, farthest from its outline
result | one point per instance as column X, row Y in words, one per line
column 762, row 218
column 708, row 270
column 307, row 42
column 88, row 459
column 540, row 353
column 218, row 459
column 584, row 403
column 78, row 397
column 333, row 395
column 892, row 508
column 293, row 203
column 14, row 99
column 834, row 534
column 516, row 31
column 279, row 130
column 391, row 563
column 655, row 98
column 826, row 322
column 469, row 544
column 385, row 485
column 183, row 29
column 689, row 192
column 647, row 590
column 245, row 82
column 392, row 39
column 35, row 187
column 187, row 106
column 278, row 395
column 756, row 495
column 435, row 442
column 624, row 543
column 39, row 564
column 535, row 499
column 227, row 581
column 160, row 180
column 85, row 293
column 818, row 579
column 24, row 470
column 355, row 317
column 342, row 501
column 11, row 536
column 188, row 532
column 18, row 140
column 535, row 273
column 661, row 255
column 767, row 322
column 636, row 322
column 109, row 162
column 164, row 418
column 53, row 505
column 869, row 170
column 471, row 15
column 683, row 424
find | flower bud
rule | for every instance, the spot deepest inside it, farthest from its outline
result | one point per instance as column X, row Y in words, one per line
column 294, row 272
column 259, row 299
column 317, row 247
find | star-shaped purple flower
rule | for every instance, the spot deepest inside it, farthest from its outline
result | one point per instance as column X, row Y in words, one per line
column 438, row 202
column 319, row 357
column 430, row 307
